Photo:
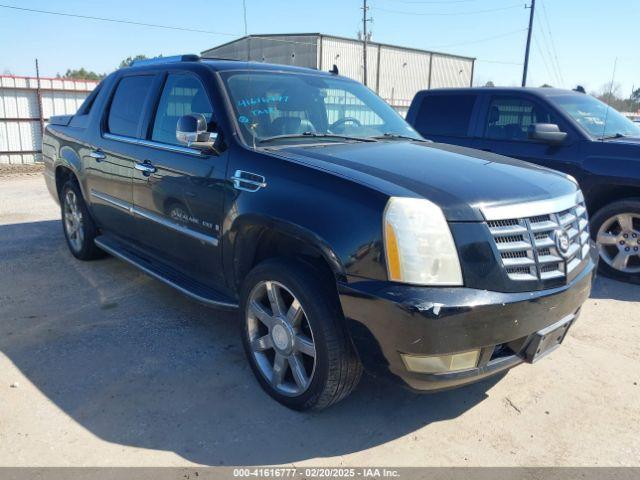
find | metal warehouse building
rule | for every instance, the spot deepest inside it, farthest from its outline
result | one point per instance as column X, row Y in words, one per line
column 395, row 73
column 26, row 104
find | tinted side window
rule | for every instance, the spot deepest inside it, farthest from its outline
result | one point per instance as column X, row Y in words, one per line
column 182, row 94
column 445, row 115
column 509, row 118
column 127, row 104
column 85, row 108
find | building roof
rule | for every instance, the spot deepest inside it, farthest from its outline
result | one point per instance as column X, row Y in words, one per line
column 274, row 36
column 537, row 91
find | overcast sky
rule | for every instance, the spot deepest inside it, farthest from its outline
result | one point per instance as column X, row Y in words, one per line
column 575, row 41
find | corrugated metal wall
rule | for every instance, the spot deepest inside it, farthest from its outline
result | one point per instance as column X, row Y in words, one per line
column 347, row 55
column 20, row 133
column 450, row 72
column 402, row 74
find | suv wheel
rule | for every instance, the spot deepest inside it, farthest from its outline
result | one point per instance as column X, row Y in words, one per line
column 616, row 228
column 79, row 228
column 294, row 336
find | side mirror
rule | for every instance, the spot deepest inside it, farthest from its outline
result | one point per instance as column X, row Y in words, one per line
column 191, row 131
column 547, row 132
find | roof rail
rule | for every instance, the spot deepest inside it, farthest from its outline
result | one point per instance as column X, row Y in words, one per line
column 172, row 59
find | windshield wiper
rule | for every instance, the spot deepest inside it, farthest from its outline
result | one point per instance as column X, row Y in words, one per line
column 314, row 135
column 616, row 135
column 389, row 135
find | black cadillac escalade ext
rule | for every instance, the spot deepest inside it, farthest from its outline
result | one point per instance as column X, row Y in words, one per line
column 344, row 239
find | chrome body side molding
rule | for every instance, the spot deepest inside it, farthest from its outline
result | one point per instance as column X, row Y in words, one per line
column 144, row 213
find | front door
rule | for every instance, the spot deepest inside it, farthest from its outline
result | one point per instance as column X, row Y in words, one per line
column 505, row 131
column 178, row 197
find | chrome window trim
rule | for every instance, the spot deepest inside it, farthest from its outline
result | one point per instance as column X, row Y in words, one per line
column 531, row 209
column 152, row 144
column 143, row 213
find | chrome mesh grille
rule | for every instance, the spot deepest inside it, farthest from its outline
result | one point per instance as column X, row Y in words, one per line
column 528, row 248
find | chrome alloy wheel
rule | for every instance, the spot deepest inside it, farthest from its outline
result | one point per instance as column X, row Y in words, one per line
column 73, row 221
column 619, row 242
column 280, row 338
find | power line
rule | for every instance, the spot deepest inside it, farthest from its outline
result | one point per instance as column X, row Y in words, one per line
column 553, row 43
column 544, row 44
column 439, row 2
column 114, row 20
column 235, row 35
column 544, row 61
column 447, row 14
column 142, row 24
column 486, row 39
column 501, row 62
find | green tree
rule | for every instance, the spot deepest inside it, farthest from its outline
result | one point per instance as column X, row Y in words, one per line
column 489, row 84
column 129, row 60
column 82, row 74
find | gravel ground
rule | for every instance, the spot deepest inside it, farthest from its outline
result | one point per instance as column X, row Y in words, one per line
column 101, row 365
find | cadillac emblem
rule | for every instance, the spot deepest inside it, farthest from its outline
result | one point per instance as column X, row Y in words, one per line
column 562, row 241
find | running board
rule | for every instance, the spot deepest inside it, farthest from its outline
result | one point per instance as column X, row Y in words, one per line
column 164, row 273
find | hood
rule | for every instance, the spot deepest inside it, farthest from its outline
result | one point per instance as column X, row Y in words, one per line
column 624, row 140
column 458, row 179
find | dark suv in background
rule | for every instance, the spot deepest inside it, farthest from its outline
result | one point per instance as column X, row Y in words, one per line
column 560, row 129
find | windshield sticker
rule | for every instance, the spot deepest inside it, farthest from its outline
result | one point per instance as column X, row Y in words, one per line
column 263, row 100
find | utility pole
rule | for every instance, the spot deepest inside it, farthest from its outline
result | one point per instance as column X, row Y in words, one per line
column 39, row 99
column 526, row 52
column 365, row 36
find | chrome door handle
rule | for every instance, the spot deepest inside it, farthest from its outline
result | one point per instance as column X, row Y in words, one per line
column 146, row 168
column 98, row 155
column 247, row 181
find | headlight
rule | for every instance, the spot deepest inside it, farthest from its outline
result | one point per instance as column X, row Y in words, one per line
column 419, row 247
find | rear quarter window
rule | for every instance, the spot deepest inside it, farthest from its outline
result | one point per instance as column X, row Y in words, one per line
column 128, row 104
column 448, row 115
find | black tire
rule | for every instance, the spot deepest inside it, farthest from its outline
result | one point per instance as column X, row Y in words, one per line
column 337, row 369
column 628, row 206
column 81, row 244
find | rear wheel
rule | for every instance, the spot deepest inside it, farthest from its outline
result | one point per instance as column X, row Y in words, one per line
column 79, row 228
column 616, row 228
column 294, row 336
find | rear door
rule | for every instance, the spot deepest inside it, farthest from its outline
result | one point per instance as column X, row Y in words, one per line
column 445, row 117
column 179, row 202
column 503, row 129
column 109, row 166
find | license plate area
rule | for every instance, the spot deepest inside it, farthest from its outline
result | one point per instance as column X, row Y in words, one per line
column 547, row 340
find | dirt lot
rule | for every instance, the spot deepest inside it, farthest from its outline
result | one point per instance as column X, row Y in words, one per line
column 101, row 365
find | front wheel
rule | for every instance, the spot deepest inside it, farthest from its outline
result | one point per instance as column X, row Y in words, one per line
column 616, row 228
column 294, row 336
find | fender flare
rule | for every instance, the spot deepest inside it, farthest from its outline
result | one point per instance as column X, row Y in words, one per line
column 248, row 230
column 70, row 159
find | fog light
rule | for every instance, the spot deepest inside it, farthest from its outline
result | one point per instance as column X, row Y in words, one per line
column 441, row 363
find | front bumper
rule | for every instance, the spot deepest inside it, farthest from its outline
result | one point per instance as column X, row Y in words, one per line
column 387, row 319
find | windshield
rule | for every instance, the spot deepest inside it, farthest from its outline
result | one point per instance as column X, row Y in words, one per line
column 592, row 114
column 286, row 108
